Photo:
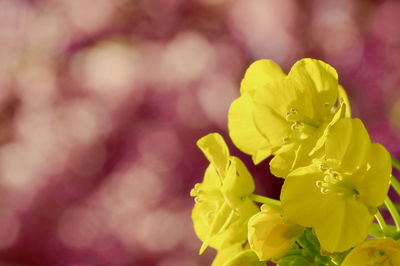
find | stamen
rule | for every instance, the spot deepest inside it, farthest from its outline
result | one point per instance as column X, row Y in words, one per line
column 297, row 126
column 332, row 182
column 322, row 167
column 319, row 183
column 295, row 116
column 324, row 190
column 194, row 192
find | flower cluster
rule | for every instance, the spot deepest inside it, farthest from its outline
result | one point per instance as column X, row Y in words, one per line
column 335, row 177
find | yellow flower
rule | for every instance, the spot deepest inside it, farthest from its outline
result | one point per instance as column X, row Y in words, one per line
column 237, row 255
column 286, row 115
column 222, row 206
column 382, row 252
column 338, row 194
column 270, row 235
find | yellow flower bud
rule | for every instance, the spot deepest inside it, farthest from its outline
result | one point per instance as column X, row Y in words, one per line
column 270, row 235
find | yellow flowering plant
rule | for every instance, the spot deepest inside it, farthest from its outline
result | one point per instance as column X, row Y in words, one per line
column 222, row 207
column 336, row 180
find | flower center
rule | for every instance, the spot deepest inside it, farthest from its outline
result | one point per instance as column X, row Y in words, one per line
column 302, row 125
column 333, row 182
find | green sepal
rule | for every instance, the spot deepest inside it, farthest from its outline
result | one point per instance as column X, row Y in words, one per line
column 309, row 242
column 306, row 252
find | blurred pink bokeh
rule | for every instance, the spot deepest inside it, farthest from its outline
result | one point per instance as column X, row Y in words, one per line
column 102, row 102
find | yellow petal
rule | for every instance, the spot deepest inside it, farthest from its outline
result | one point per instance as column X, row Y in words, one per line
column 199, row 217
column 271, row 125
column 375, row 183
column 283, row 94
column 243, row 131
column 345, row 226
column 319, row 78
column 220, row 219
column 211, row 179
column 343, row 98
column 215, row 149
column 225, row 254
column 302, row 201
column 238, row 183
column 260, row 73
column 322, row 133
column 260, row 155
column 292, row 156
column 347, row 145
column 282, row 163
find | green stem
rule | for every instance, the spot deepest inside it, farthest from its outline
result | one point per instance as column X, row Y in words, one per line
column 390, row 231
column 381, row 221
column 396, row 163
column 375, row 231
column 383, row 207
column 395, row 184
column 265, row 200
column 395, row 215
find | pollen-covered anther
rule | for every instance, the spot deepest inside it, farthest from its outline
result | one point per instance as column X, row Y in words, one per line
column 194, row 192
column 332, row 182
column 297, row 126
column 322, row 167
column 291, row 113
column 319, row 183
column 325, row 190
column 297, row 118
column 335, row 175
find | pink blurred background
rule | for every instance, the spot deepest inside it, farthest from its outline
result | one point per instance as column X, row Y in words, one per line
column 102, row 102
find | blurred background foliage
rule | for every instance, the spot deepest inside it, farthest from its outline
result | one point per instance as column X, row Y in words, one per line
column 102, row 102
